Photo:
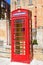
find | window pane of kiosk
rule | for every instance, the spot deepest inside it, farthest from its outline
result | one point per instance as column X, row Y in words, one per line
column 18, row 25
column 19, row 34
column 19, row 37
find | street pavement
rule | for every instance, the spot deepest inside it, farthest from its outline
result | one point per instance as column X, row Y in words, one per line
column 5, row 61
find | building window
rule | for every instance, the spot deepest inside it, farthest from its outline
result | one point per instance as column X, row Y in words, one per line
column 18, row 0
column 30, row 2
column 18, row 3
column 23, row 2
column 2, row 13
column 2, row 4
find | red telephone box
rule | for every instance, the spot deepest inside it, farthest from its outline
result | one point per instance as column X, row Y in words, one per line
column 21, row 30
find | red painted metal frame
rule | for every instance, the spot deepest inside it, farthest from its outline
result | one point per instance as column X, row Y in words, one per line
column 16, row 57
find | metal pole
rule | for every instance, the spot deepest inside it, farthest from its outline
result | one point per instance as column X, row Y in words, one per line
column 35, row 21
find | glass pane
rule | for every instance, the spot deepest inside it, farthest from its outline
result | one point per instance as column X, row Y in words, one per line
column 17, row 52
column 17, row 47
column 19, row 20
column 19, row 34
column 18, row 30
column 19, row 38
column 19, row 25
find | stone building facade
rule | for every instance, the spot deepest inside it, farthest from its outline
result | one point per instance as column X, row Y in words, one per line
column 4, row 28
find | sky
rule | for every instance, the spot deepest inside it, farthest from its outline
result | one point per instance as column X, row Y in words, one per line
column 8, row 1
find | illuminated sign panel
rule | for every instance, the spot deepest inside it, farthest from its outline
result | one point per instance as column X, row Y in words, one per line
column 19, row 13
